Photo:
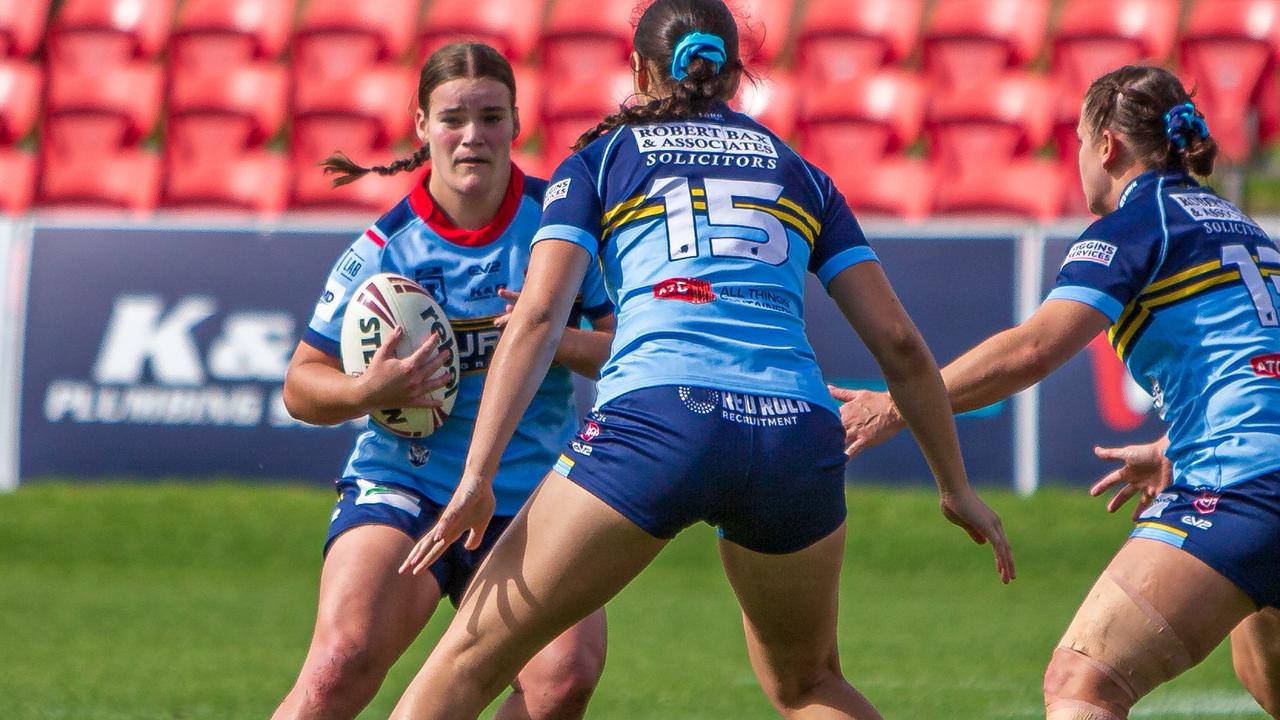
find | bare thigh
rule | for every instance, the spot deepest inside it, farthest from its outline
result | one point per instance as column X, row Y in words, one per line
column 562, row 558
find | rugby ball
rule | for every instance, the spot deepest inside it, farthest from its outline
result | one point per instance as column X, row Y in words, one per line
column 383, row 303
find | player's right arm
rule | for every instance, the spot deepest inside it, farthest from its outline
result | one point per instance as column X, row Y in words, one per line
column 317, row 391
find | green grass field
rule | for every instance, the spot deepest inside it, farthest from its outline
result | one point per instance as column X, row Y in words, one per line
column 196, row 602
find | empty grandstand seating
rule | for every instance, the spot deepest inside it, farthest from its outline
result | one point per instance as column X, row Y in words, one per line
column 1228, row 51
column 22, row 25
column 512, row 27
column 112, row 108
column 254, row 180
column 18, row 189
column 586, row 37
column 764, row 25
column 225, row 113
column 840, row 39
column 90, row 34
column 897, row 186
column 21, row 85
column 1097, row 36
column 529, row 89
column 771, row 99
column 1025, row 187
column 972, row 41
column 570, row 108
column 358, row 114
column 861, row 120
column 341, row 37
column 372, row 193
column 215, row 34
column 989, row 124
column 124, row 179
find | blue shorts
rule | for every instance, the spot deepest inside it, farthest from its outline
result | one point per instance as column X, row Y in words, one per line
column 1235, row 531
column 364, row 502
column 768, row 472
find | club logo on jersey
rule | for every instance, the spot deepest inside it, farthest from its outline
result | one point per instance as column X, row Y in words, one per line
column 690, row 290
column 1158, row 506
column 330, row 299
column 487, row 268
column 350, row 265
column 581, row 448
column 557, row 191
column 418, row 454
column 700, row 400
column 432, row 278
column 590, row 431
column 1266, row 365
column 485, row 292
column 1206, row 503
column 1094, row 251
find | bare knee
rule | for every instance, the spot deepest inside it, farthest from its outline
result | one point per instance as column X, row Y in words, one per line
column 342, row 676
column 793, row 688
column 560, row 684
column 1260, row 678
column 1077, row 680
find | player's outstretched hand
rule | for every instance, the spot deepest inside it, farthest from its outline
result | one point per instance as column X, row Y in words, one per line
column 1145, row 472
column 981, row 522
column 390, row 381
column 470, row 509
column 511, row 296
column 869, row 418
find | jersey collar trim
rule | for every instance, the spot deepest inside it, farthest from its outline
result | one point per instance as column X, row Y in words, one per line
column 425, row 208
column 1151, row 177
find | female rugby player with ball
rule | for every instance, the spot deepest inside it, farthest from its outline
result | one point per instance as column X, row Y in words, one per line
column 1187, row 287
column 711, row 408
column 463, row 233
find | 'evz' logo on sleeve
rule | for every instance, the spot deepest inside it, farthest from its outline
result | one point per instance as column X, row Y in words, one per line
column 1094, row 251
column 558, row 191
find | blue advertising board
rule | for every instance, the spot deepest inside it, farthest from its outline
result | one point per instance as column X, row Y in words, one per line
column 154, row 352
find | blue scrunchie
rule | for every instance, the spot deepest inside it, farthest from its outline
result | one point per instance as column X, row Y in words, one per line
column 697, row 45
column 1182, row 120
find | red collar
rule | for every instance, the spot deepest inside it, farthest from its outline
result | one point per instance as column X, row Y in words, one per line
column 422, row 204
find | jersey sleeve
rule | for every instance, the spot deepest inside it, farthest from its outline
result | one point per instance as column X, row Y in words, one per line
column 361, row 260
column 1111, row 262
column 840, row 243
column 571, row 208
column 595, row 299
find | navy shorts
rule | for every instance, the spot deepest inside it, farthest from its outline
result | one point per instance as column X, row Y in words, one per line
column 1235, row 531
column 767, row 471
column 364, row 502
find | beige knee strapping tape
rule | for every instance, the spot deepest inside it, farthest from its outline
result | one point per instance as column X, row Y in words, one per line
column 1123, row 636
column 1076, row 710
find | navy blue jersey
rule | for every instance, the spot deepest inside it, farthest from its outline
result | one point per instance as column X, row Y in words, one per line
column 705, row 228
column 1191, row 285
column 463, row 270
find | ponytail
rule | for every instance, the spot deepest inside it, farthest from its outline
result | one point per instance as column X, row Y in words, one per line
column 348, row 171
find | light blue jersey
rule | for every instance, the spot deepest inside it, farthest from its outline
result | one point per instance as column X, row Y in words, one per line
column 1192, row 286
column 705, row 228
column 464, row 270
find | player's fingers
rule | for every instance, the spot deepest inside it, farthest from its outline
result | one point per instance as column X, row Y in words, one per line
column 426, row 350
column 841, row 394
column 1111, row 479
column 389, row 346
column 506, row 294
column 1120, row 498
column 424, row 401
column 502, row 321
column 415, row 556
column 435, row 552
column 1109, row 453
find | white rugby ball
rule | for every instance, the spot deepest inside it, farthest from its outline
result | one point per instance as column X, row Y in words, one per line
column 383, row 303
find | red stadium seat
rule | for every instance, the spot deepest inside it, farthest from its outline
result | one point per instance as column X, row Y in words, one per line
column 101, row 110
column 223, row 114
column 861, row 120
column 571, row 108
column 763, row 26
column 22, row 24
column 1073, row 202
column 1097, row 36
column 841, row 39
column 341, row 37
column 312, row 189
column 256, row 181
column 127, row 179
column 970, row 41
column 772, row 100
column 1228, row 52
column 90, row 34
column 1027, row 187
column 356, row 114
column 19, row 186
column 214, row 34
column 528, row 102
column 511, row 26
column 991, row 124
column 898, row 186
column 586, row 37
column 20, row 90
column 532, row 164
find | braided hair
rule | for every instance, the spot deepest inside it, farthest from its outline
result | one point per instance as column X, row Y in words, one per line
column 451, row 62
column 698, row 79
column 1154, row 111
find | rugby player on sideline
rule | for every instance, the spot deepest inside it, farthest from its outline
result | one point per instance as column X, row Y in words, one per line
column 463, row 232
column 711, row 406
column 1188, row 287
